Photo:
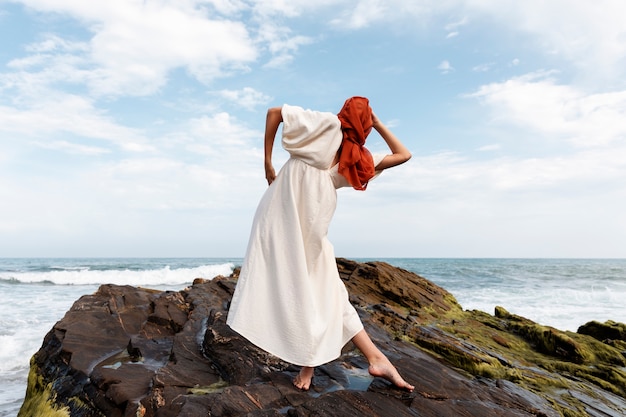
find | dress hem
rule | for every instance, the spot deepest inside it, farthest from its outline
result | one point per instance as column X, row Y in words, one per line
column 294, row 361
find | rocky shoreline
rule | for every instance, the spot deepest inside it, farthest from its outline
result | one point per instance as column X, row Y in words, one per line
column 128, row 351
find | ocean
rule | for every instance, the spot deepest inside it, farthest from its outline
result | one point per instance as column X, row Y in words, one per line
column 36, row 293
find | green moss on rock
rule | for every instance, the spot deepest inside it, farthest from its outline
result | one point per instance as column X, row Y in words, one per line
column 609, row 330
column 40, row 398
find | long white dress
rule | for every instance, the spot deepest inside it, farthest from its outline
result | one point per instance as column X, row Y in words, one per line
column 289, row 299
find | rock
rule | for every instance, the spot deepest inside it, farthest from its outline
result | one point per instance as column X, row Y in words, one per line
column 609, row 330
column 127, row 351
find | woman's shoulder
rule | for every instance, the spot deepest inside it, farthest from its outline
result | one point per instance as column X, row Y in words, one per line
column 298, row 116
column 298, row 111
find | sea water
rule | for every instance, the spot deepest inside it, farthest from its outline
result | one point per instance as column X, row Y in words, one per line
column 36, row 293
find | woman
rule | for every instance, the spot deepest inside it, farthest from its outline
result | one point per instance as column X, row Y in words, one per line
column 289, row 299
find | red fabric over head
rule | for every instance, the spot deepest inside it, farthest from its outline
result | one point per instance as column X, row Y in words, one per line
column 355, row 161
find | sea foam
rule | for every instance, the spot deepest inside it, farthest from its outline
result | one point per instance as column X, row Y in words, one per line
column 77, row 275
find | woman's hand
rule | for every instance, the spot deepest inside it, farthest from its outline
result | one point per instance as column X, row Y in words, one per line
column 270, row 175
column 375, row 120
column 273, row 120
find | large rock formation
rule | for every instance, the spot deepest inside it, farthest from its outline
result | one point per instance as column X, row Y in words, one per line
column 127, row 351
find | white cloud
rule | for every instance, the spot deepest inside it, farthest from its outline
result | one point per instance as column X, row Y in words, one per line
column 62, row 114
column 135, row 44
column 228, row 7
column 54, row 43
column 588, row 34
column 191, row 188
column 293, row 8
column 538, row 103
column 365, row 12
column 211, row 166
column 73, row 148
column 492, row 147
column 453, row 26
column 223, row 130
column 392, row 123
column 483, row 67
column 247, row 97
column 445, row 67
column 53, row 61
column 281, row 44
column 450, row 204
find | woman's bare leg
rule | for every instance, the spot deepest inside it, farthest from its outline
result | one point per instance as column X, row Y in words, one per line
column 303, row 380
column 380, row 365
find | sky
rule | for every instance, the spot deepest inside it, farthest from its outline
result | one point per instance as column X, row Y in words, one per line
column 135, row 128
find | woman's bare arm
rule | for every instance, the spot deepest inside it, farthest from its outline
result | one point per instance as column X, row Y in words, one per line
column 399, row 153
column 272, row 121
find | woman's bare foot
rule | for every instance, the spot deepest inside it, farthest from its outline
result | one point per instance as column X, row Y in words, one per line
column 380, row 365
column 303, row 379
column 383, row 368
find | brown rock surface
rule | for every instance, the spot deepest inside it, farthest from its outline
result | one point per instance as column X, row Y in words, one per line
column 127, row 351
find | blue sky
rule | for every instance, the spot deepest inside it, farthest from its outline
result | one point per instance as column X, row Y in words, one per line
column 134, row 128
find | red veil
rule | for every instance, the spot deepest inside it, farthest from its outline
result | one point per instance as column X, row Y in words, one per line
column 355, row 162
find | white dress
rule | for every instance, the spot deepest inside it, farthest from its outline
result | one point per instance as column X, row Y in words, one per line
column 289, row 299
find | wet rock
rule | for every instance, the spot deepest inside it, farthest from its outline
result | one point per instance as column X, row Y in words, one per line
column 127, row 351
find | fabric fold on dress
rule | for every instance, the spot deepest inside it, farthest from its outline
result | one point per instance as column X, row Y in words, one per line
column 356, row 162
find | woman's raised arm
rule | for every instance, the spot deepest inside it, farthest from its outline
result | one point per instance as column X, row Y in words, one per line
column 399, row 153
